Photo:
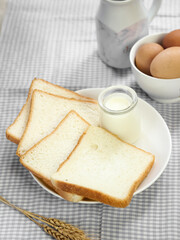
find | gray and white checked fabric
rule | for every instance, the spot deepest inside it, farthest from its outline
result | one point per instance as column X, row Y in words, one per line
column 55, row 40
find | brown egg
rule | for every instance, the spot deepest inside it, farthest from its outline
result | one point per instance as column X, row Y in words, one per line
column 145, row 55
column 172, row 39
column 166, row 64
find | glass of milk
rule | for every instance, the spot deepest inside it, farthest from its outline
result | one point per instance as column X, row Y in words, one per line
column 119, row 113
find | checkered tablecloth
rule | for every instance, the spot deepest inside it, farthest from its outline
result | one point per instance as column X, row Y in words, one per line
column 56, row 40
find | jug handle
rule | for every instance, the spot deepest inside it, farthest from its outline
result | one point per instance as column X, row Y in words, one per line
column 154, row 9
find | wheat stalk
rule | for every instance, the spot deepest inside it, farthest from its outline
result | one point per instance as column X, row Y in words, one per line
column 52, row 226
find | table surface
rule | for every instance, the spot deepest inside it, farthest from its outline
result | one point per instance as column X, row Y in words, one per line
column 56, row 40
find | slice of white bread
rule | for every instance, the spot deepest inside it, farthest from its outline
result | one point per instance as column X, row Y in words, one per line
column 103, row 168
column 46, row 112
column 15, row 131
column 44, row 158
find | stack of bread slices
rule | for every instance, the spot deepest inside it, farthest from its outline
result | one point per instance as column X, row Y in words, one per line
column 60, row 141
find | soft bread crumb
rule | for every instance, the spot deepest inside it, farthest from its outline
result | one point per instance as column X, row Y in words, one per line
column 104, row 168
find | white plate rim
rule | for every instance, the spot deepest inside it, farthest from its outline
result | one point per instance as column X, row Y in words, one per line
column 137, row 191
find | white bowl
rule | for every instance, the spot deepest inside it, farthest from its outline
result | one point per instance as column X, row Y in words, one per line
column 161, row 90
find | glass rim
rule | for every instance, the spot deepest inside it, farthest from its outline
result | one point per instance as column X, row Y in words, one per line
column 117, row 89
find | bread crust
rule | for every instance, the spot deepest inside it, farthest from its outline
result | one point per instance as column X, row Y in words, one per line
column 8, row 134
column 65, row 195
column 97, row 195
column 72, row 99
column 16, row 140
column 11, row 137
column 68, row 90
column 27, row 125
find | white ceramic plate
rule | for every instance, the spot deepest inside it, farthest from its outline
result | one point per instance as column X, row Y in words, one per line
column 155, row 138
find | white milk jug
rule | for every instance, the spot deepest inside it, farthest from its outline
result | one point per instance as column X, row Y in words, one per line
column 119, row 24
